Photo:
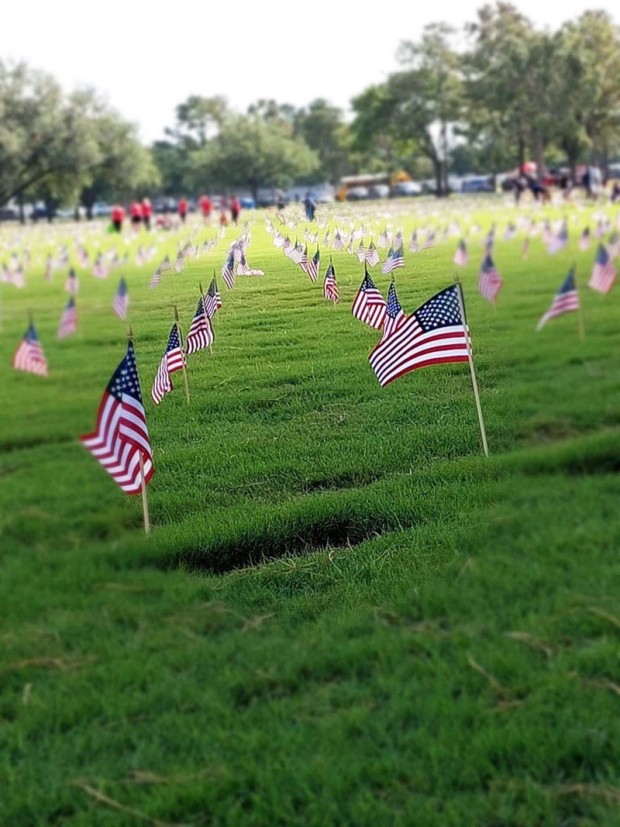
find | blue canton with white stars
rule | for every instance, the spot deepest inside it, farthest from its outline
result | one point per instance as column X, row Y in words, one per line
column 125, row 378
column 441, row 311
column 393, row 305
column 174, row 343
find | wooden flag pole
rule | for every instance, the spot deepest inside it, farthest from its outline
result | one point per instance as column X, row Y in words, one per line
column 470, row 358
column 580, row 325
column 145, row 502
column 204, row 312
column 176, row 318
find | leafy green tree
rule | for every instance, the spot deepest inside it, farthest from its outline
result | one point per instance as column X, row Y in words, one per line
column 251, row 152
column 322, row 127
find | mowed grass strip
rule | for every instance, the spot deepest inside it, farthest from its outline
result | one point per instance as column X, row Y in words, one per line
column 437, row 643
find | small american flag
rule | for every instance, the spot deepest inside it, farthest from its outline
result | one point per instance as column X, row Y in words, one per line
column 372, row 255
column 383, row 240
column 337, row 243
column 165, row 265
column 584, row 240
column 435, row 333
column 394, row 315
column 68, row 320
column 121, row 300
column 72, row 285
column 155, row 279
column 179, row 263
column 29, row 356
column 213, row 301
column 312, row 265
column 369, row 305
column 394, row 260
column 565, row 300
column 603, row 273
column 413, row 243
column 490, row 282
column 172, row 360
column 460, row 257
column 558, row 242
column 200, row 334
column 429, row 241
column 361, row 252
column 121, row 437
column 228, row 271
column 100, row 270
column 330, row 287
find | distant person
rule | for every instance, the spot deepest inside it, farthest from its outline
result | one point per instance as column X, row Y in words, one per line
column 117, row 215
column 235, row 209
column 310, row 207
column 147, row 213
column 135, row 212
column 206, row 207
column 223, row 216
column 280, row 200
column 182, row 209
column 615, row 192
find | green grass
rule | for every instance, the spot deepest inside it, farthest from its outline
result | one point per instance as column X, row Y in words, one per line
column 345, row 614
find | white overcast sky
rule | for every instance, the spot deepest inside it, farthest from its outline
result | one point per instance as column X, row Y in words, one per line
column 146, row 57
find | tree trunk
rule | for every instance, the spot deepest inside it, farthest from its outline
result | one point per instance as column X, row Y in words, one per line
column 20, row 202
column 438, row 169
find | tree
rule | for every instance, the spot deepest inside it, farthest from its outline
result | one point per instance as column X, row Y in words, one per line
column 322, row 127
column 250, row 152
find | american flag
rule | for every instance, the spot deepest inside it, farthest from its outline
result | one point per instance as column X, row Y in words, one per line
column 121, row 300
column 165, row 265
column 312, row 265
column 490, row 282
column 413, row 242
column 489, row 241
column 213, row 301
column 121, row 436
column 429, row 241
column 383, row 239
column 584, row 240
column 361, row 252
column 372, row 255
column 228, row 271
column 155, row 279
column 558, row 242
column 369, row 305
column 603, row 273
column 330, row 286
column 337, row 243
column 460, row 257
column 296, row 253
column 72, row 285
column 394, row 315
column 395, row 259
column 200, row 333
column 179, row 263
column 242, row 266
column 510, row 232
column 565, row 300
column 100, row 270
column 68, row 320
column 29, row 356
column 435, row 333
column 172, row 360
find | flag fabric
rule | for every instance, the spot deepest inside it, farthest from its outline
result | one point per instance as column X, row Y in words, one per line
column 121, row 435
column 394, row 260
column 179, row 263
column 603, row 273
column 172, row 360
column 369, row 305
column 584, row 240
column 29, row 356
column 564, row 301
column 558, row 242
column 330, row 286
column 337, row 243
column 200, row 333
column 394, row 315
column 68, row 320
column 361, row 252
column 155, row 279
column 429, row 241
column 165, row 265
column 228, row 271
column 460, row 257
column 372, row 255
column 434, row 334
column 312, row 265
column 413, row 242
column 72, row 285
column 490, row 282
column 213, row 301
column 121, row 300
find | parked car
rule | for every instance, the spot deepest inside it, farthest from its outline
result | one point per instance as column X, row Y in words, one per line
column 406, row 189
column 357, row 194
column 482, row 183
column 101, row 209
column 247, row 203
column 379, row 191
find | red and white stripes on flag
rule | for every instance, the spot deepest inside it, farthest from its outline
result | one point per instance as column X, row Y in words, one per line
column 330, row 286
column 603, row 275
column 200, row 334
column 121, row 300
column 68, row 320
column 172, row 360
column 29, row 356
column 394, row 315
column 564, row 301
column 490, row 282
column 213, row 300
column 434, row 334
column 121, row 436
column 369, row 305
column 460, row 257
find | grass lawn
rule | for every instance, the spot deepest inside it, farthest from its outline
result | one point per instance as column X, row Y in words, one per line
column 345, row 614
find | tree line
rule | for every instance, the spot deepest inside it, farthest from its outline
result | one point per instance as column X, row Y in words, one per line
column 485, row 99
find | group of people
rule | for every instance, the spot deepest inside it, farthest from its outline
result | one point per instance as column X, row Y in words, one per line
column 141, row 212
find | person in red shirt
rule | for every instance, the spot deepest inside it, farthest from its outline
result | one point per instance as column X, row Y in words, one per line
column 135, row 211
column 235, row 208
column 182, row 208
column 117, row 215
column 206, row 207
column 147, row 212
